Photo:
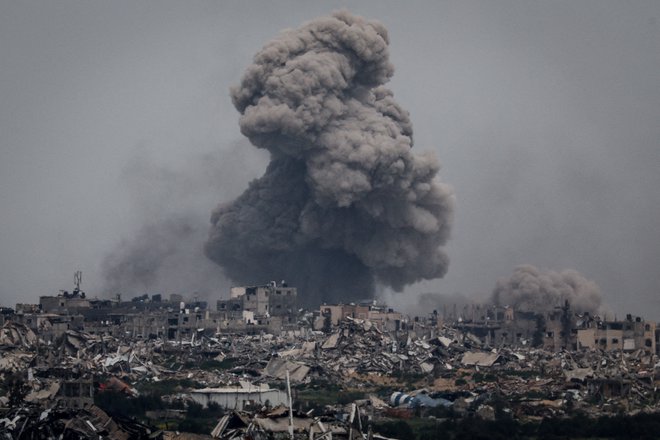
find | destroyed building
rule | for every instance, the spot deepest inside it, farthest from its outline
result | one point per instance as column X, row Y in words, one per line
column 271, row 306
column 241, row 356
column 631, row 334
column 265, row 308
column 553, row 330
column 453, row 367
column 382, row 316
column 4, row 313
column 50, row 326
column 268, row 299
column 335, row 313
column 65, row 302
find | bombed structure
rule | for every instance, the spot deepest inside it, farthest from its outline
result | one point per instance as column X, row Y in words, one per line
column 231, row 366
column 253, row 302
column 258, row 366
column 254, row 309
column 344, row 202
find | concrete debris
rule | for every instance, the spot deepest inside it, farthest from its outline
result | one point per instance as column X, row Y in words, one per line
column 31, row 422
column 15, row 361
column 46, row 393
column 278, row 423
column 277, row 368
column 480, row 359
column 423, row 366
column 579, row 374
column 16, row 335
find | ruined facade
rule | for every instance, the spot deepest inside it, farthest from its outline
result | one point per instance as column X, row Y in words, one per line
column 383, row 317
column 504, row 326
column 254, row 302
column 631, row 334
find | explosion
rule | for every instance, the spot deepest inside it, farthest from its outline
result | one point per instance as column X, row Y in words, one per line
column 344, row 203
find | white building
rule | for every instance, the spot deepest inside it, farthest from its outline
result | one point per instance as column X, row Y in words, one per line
column 239, row 397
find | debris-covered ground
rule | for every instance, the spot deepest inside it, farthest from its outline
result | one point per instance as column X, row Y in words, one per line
column 355, row 381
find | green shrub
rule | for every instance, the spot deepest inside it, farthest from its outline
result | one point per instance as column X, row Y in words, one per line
column 397, row 429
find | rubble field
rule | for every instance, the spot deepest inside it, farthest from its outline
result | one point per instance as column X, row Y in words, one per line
column 355, row 381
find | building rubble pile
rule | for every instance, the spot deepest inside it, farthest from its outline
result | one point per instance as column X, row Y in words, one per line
column 432, row 365
column 265, row 425
column 34, row 422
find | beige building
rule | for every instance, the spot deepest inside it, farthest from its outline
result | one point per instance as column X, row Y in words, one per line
column 333, row 314
column 263, row 301
column 628, row 335
column 385, row 319
column 382, row 317
column 64, row 303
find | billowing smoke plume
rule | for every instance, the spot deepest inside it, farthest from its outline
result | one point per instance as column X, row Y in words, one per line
column 344, row 203
column 532, row 290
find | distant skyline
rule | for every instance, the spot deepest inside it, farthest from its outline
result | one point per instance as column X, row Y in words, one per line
column 116, row 116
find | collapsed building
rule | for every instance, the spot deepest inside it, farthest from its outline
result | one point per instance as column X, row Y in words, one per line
column 459, row 362
column 240, row 356
column 554, row 330
column 629, row 335
column 252, row 309
column 385, row 318
column 272, row 308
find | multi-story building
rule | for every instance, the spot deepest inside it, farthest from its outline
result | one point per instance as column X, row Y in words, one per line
column 259, row 301
column 628, row 335
column 497, row 326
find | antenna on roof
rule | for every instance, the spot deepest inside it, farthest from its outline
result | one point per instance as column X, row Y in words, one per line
column 77, row 279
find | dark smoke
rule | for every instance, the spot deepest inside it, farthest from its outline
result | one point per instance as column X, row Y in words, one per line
column 344, row 203
column 532, row 290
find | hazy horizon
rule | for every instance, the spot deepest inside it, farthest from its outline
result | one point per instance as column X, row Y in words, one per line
column 116, row 126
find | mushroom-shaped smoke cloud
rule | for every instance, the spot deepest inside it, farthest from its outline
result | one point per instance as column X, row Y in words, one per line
column 532, row 290
column 344, row 203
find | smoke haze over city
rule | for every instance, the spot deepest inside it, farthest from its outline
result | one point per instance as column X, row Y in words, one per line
column 117, row 126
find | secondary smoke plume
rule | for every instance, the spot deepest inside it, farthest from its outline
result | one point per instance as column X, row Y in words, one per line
column 530, row 289
column 163, row 254
column 344, row 203
column 163, row 257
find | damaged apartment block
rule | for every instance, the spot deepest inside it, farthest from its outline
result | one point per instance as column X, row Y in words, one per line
column 67, row 355
column 257, row 308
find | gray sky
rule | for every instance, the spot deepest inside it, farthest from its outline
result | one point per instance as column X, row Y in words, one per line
column 543, row 114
